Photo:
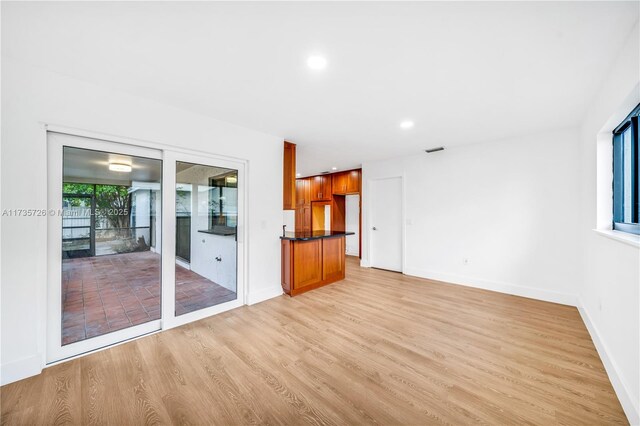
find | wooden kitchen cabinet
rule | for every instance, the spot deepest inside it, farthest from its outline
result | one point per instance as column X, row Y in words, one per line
column 353, row 181
column 307, row 263
column 303, row 205
column 346, row 182
column 303, row 218
column 289, row 177
column 339, row 183
column 321, row 188
column 311, row 261
column 333, row 250
column 303, row 192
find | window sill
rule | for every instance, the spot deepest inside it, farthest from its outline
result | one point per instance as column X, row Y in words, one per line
column 623, row 237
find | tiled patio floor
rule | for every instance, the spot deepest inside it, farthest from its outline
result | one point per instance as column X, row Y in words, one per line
column 108, row 293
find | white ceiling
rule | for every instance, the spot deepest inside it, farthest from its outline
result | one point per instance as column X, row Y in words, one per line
column 463, row 72
column 88, row 166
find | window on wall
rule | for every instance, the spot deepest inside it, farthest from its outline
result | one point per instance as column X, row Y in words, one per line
column 626, row 195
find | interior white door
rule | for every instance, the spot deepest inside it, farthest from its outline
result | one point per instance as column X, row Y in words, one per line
column 386, row 224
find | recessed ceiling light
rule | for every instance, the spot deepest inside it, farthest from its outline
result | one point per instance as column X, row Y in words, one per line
column 298, row 175
column 316, row 62
column 120, row 167
column 334, row 168
column 406, row 124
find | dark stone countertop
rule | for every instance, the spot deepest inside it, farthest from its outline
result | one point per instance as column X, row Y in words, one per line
column 220, row 230
column 304, row 236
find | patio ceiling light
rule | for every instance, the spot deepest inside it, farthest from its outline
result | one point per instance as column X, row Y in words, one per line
column 119, row 167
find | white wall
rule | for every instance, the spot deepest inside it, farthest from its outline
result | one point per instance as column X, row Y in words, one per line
column 509, row 207
column 30, row 96
column 610, row 279
column 289, row 220
column 352, row 207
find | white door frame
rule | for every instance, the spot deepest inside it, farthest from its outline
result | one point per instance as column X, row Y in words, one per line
column 51, row 318
column 169, row 319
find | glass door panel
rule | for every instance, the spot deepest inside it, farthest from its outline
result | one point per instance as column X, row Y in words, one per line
column 110, row 243
column 206, row 236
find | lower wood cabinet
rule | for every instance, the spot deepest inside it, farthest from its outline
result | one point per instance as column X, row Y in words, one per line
column 309, row 264
column 333, row 252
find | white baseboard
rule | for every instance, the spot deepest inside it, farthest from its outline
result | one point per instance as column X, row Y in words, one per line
column 21, row 369
column 516, row 290
column 264, row 294
column 629, row 406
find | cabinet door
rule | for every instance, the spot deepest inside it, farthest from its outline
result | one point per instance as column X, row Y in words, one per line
column 353, row 181
column 339, row 183
column 326, row 188
column 333, row 258
column 307, row 263
column 316, row 187
column 299, row 192
column 303, row 219
column 299, row 216
column 320, row 188
column 302, row 192
column 306, row 219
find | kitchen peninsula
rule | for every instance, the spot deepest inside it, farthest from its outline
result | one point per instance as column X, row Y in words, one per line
column 312, row 259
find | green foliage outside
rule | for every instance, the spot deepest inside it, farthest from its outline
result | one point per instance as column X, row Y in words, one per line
column 113, row 202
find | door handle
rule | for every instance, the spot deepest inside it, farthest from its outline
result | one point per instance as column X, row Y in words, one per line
column 374, row 228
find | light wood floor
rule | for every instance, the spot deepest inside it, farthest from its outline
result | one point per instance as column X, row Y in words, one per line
column 378, row 347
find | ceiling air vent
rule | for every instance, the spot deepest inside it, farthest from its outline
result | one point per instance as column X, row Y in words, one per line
column 430, row 150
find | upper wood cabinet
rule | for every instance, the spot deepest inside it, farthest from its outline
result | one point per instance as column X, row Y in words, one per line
column 289, row 177
column 346, row 182
column 303, row 192
column 321, row 188
column 339, row 183
column 353, row 181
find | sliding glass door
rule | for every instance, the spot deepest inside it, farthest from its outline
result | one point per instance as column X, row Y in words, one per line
column 104, row 198
column 208, row 205
column 139, row 240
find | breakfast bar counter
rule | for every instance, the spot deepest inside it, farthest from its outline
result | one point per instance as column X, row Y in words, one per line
column 312, row 259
